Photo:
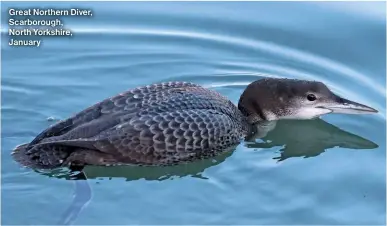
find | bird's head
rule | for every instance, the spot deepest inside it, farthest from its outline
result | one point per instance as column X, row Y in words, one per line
column 273, row 99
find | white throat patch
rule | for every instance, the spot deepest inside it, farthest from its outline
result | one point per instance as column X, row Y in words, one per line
column 307, row 113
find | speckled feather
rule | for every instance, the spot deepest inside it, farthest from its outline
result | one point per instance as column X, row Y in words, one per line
column 159, row 124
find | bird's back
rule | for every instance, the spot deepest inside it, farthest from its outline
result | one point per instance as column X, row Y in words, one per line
column 159, row 124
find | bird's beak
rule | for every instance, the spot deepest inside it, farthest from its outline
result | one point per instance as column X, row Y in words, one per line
column 345, row 106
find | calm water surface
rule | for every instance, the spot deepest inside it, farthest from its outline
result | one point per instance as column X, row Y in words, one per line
column 329, row 171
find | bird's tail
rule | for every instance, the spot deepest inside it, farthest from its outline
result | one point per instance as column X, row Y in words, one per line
column 42, row 157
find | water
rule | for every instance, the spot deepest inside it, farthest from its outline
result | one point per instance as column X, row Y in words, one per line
column 329, row 171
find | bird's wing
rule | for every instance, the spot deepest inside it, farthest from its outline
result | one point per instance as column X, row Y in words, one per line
column 115, row 121
column 165, row 137
column 105, row 114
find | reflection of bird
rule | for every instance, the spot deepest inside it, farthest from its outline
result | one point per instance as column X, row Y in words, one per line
column 175, row 122
column 299, row 138
column 130, row 173
column 308, row 138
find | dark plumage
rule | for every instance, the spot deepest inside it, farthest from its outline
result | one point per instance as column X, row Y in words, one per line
column 164, row 124
column 159, row 124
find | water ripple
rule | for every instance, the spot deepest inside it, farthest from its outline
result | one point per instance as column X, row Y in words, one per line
column 272, row 48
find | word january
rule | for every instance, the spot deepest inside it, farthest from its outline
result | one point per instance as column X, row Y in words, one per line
column 15, row 42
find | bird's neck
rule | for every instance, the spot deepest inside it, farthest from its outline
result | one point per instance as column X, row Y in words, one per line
column 254, row 112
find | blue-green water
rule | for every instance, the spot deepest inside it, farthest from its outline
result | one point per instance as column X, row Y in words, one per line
column 329, row 171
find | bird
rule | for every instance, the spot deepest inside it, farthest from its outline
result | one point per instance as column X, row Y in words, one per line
column 169, row 123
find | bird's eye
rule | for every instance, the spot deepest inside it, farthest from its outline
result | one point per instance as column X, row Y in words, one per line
column 311, row 97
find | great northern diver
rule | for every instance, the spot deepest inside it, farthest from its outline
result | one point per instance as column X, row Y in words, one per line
column 173, row 122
